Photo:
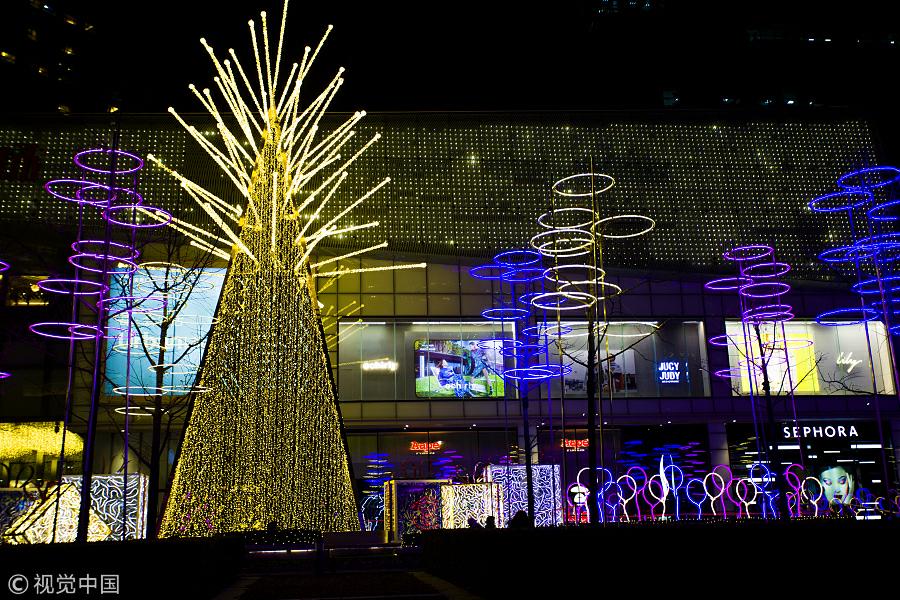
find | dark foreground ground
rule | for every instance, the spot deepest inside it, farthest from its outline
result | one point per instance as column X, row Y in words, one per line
column 684, row 559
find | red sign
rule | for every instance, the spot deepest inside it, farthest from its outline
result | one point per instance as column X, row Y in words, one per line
column 574, row 445
column 425, row 447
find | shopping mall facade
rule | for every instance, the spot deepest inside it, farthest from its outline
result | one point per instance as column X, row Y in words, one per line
column 466, row 187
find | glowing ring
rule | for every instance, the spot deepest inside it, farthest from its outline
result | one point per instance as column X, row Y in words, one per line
column 139, row 162
column 749, row 290
column 722, row 341
column 505, row 259
column 135, row 411
column 777, row 270
column 543, row 329
column 845, row 254
column 112, row 195
column 558, row 371
column 768, row 313
column 167, row 216
column 523, row 275
column 788, row 344
column 5, row 375
column 573, row 209
column 860, row 173
column 164, row 366
column 730, row 373
column 72, row 333
column 125, row 390
column 181, row 390
column 77, row 198
column 865, row 287
column 75, row 260
column 614, row 218
column 587, row 300
column 524, row 350
column 871, row 213
column 525, row 299
column 160, row 304
column 491, row 343
column 850, row 204
column 528, row 373
column 616, row 290
column 476, row 272
column 751, row 252
column 3, row 266
column 504, row 314
column 98, row 288
column 653, row 328
column 548, row 274
column 860, row 314
column 727, row 284
column 577, row 245
column 591, row 177
column 890, row 240
column 84, row 247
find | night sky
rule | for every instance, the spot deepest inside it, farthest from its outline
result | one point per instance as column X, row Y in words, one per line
column 498, row 55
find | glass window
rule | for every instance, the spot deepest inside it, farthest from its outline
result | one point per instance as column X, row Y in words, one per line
column 808, row 358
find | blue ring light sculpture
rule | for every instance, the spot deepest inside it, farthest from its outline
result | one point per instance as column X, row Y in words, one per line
column 480, row 272
column 875, row 285
column 505, row 314
column 511, row 258
column 851, row 200
column 874, row 212
column 523, row 275
column 846, row 180
column 847, row 254
column 832, row 318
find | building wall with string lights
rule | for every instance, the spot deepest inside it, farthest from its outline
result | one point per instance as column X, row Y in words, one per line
column 466, row 186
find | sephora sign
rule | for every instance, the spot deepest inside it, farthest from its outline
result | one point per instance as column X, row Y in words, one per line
column 819, row 431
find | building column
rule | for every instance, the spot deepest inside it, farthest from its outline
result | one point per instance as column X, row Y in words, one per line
column 718, row 444
column 532, row 433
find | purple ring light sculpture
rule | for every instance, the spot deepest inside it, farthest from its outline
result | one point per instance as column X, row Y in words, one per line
column 727, row 284
column 85, row 247
column 505, row 314
column 765, row 270
column 83, row 184
column 480, row 272
column 840, row 201
column 722, row 341
column 882, row 176
column 749, row 252
column 4, row 266
column 72, row 331
column 5, row 375
column 768, row 313
column 135, row 209
column 73, row 287
column 138, row 161
column 838, row 317
column 517, row 258
column 764, row 289
column 77, row 259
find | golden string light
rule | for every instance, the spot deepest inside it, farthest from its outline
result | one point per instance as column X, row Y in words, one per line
column 264, row 444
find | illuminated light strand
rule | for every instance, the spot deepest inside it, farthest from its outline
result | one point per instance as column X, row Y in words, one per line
column 372, row 269
column 318, row 264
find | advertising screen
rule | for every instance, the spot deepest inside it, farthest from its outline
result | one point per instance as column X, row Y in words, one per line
column 458, row 369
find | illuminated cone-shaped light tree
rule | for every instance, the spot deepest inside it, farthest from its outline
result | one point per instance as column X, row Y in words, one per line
column 264, row 443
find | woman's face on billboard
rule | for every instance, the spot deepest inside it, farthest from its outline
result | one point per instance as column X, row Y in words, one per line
column 838, row 485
